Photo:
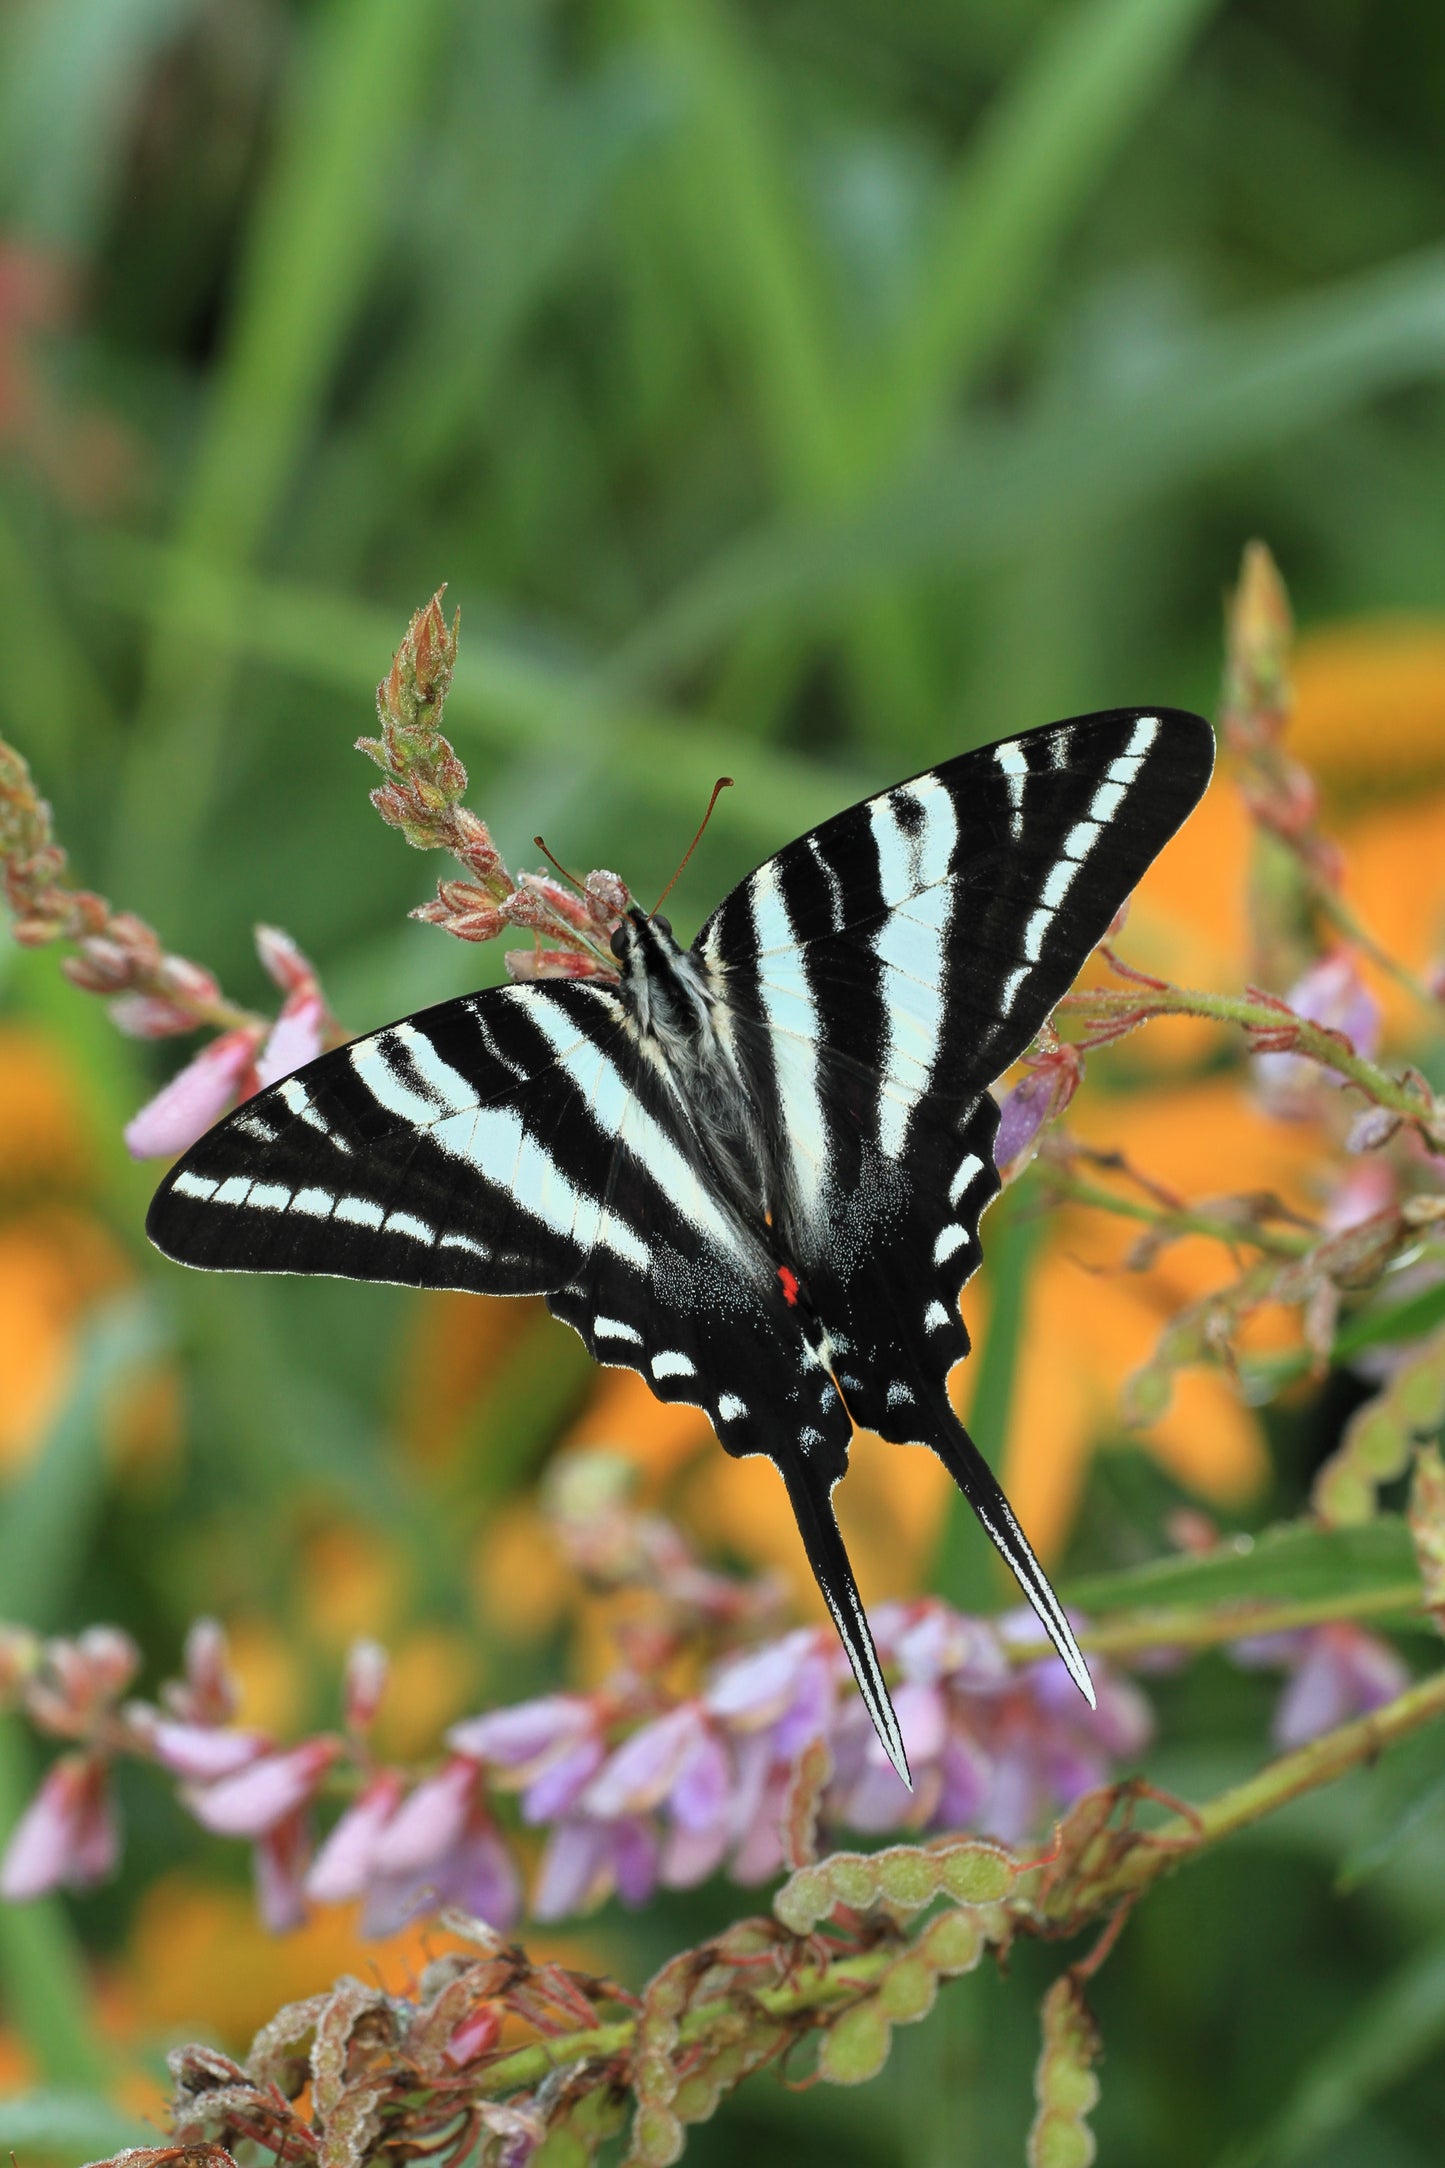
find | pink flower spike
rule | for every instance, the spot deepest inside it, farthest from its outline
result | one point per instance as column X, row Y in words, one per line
column 185, row 1108
column 263, row 1795
column 67, row 1837
column 344, row 1863
column 295, row 1039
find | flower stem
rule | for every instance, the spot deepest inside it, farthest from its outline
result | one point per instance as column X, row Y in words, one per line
column 1127, row 1871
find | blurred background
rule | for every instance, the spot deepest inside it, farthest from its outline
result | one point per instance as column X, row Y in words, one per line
column 804, row 391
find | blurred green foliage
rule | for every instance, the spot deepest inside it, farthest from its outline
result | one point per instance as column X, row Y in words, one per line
column 805, row 390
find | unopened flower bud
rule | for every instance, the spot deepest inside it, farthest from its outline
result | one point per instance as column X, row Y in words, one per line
column 102, row 966
column 186, row 982
column 67, row 1838
column 146, row 1016
column 608, row 895
column 367, row 1665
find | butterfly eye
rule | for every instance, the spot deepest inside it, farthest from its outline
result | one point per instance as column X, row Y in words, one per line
column 663, row 925
column 618, row 943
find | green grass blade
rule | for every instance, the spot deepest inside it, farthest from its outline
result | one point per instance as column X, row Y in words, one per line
column 1022, row 186
column 1389, row 2034
column 311, row 252
column 1297, row 1562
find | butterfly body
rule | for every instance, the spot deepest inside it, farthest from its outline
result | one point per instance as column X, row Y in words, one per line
column 752, row 1169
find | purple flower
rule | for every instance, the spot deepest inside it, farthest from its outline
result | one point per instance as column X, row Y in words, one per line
column 550, row 1748
column 440, row 1847
column 1042, row 1092
column 1332, row 994
column 68, row 1837
column 265, row 1793
column 1337, row 1671
column 344, row 1865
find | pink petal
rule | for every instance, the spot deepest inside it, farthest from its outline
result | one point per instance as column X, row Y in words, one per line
column 279, row 1860
column 576, row 1871
column 344, row 1863
column 513, row 1738
column 644, row 1768
column 261, row 1796
column 429, row 1823
column 755, row 1688
column 295, row 1039
column 67, row 1835
column 689, row 1856
column 701, row 1796
column 185, row 1108
column 560, row 1784
column 284, row 962
column 201, row 1752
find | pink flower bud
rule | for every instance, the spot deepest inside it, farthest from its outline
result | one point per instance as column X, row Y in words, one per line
column 367, row 1664
column 208, row 1694
column 111, row 1658
column 284, row 962
column 186, row 982
column 609, row 897
column 295, row 1039
column 526, row 965
column 477, row 2034
column 185, row 1108
column 67, row 1837
column 562, row 901
column 146, row 1016
column 261, row 1795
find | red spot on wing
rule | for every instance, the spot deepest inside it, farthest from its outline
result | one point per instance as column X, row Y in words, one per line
column 790, row 1285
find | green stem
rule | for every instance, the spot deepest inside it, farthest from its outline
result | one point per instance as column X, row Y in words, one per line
column 1125, row 1875
column 1198, row 1626
column 1180, row 1220
column 1311, row 1040
column 812, row 1987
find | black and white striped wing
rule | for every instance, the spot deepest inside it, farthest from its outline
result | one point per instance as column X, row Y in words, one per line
column 514, row 1142
column 466, row 1147
column 886, row 968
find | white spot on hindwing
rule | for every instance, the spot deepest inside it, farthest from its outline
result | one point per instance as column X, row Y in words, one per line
column 671, row 1363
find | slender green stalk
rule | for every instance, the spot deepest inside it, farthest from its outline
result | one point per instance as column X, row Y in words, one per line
column 1183, row 1220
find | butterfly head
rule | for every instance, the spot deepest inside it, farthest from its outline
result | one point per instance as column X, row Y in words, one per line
column 662, row 980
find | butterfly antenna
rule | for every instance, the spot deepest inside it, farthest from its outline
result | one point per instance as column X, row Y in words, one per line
column 561, row 868
column 724, row 782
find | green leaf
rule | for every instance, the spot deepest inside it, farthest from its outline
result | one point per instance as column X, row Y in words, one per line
column 1294, row 1563
column 1408, row 1791
column 69, row 2124
column 1390, row 2033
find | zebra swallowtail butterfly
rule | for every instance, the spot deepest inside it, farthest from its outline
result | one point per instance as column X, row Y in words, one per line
column 752, row 1170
